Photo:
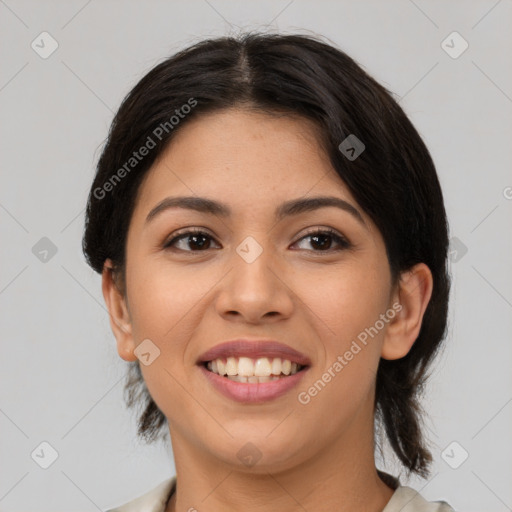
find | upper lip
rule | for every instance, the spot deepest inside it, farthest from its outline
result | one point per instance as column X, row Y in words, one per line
column 254, row 349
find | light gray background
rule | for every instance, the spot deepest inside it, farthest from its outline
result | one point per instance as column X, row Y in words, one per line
column 61, row 375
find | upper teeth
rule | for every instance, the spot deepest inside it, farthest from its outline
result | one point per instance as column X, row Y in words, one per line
column 247, row 367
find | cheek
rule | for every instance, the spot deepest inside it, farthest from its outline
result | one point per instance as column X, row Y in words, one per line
column 161, row 299
column 167, row 306
column 348, row 299
column 347, row 303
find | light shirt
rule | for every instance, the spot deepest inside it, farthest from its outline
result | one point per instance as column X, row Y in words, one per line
column 404, row 499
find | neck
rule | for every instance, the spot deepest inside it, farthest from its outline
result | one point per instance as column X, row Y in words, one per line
column 342, row 477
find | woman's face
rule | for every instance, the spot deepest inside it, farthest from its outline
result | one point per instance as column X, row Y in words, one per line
column 256, row 276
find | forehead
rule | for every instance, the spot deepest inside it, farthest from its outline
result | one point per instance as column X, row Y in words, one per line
column 244, row 158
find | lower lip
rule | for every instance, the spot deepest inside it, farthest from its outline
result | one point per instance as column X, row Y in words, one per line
column 258, row 392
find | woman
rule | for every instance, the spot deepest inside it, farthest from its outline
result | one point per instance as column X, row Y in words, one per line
column 273, row 241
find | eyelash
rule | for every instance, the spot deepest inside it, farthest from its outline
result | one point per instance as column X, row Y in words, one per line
column 342, row 242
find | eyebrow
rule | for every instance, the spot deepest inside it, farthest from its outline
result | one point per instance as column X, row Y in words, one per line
column 288, row 208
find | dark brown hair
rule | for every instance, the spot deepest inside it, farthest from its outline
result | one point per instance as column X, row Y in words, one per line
column 394, row 180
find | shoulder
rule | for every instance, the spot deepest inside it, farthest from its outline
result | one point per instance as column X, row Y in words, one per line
column 406, row 499
column 154, row 500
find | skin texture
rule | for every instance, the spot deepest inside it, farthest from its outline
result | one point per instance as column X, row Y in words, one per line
column 318, row 455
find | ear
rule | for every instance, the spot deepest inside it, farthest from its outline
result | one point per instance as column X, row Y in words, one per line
column 119, row 315
column 413, row 293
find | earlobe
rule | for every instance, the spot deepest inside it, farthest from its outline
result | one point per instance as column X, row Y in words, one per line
column 413, row 293
column 120, row 321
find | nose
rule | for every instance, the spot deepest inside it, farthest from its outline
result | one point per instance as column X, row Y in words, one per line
column 255, row 291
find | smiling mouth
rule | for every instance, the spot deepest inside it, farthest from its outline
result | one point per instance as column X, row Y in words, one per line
column 253, row 371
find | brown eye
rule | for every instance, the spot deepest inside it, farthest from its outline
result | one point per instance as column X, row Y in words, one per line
column 323, row 239
column 198, row 240
column 193, row 239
